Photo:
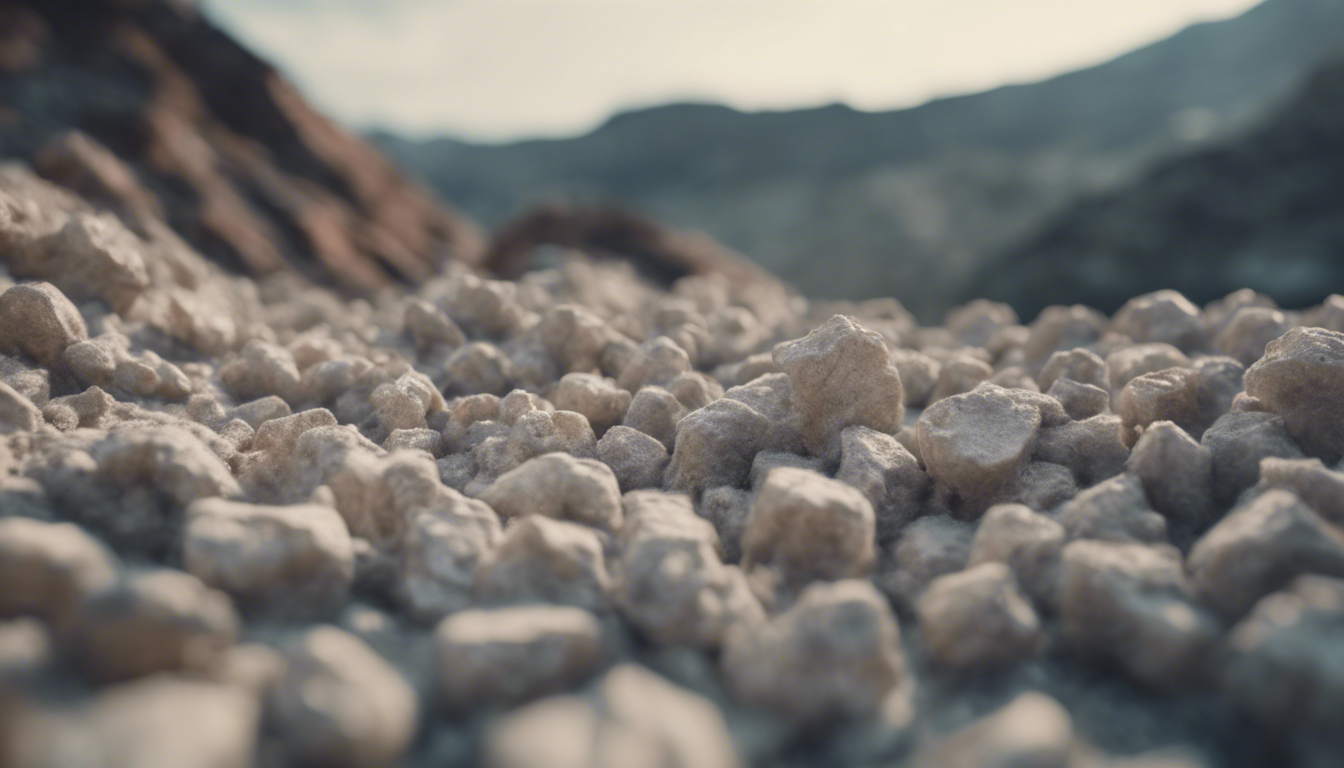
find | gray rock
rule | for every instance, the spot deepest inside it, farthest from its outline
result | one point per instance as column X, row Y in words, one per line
column 1177, row 476
column 365, row 714
column 887, row 474
column 1027, row 542
column 1114, row 510
column 978, row 443
column 977, row 619
column 1237, row 443
column 809, row 526
column 559, row 486
column 39, row 321
column 637, row 460
column 1259, row 548
column 547, row 561
column 1301, row 378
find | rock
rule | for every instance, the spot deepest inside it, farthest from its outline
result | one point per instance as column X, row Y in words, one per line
column 634, row 717
column 1027, row 542
column 1130, row 605
column 1060, row 328
column 1078, row 364
column 977, row 619
column 547, row 561
column 841, row 375
column 478, row 367
column 1237, row 443
column 600, row 400
column 39, row 321
column 959, row 375
column 442, row 548
column 1114, row 510
column 637, row 460
column 656, row 362
column 1177, row 476
column 160, row 722
column 1259, row 548
column 261, row 369
column 1130, row 362
column 834, row 655
column 655, row 412
column 402, row 404
column 429, row 326
column 365, row 714
column 25, row 654
column 768, row 461
column 1220, row 381
column 1080, row 401
column 1092, row 448
column 1044, row 486
column 928, row 548
column 262, row 410
column 1164, row 317
column 1031, row 730
column 18, row 414
column 715, row 446
column 1247, row 333
column 426, row 440
column 509, row 655
column 887, row 474
column 295, row 557
column 809, row 526
column 49, row 569
column 559, row 486
column 977, row 443
column 157, row 621
column 727, row 509
column 919, row 375
column 1301, row 378
column 1308, row 479
column 673, row 586
column 1167, row 395
column 1284, row 657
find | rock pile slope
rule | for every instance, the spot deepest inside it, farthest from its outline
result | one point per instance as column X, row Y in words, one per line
column 578, row 519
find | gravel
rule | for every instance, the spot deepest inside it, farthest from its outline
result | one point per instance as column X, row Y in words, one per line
column 580, row 519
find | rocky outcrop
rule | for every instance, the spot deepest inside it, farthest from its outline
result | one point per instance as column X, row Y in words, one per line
column 150, row 110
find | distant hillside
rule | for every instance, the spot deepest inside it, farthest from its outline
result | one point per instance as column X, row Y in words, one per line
column 845, row 203
column 1266, row 209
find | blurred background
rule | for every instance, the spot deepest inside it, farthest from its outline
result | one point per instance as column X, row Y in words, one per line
column 1030, row 151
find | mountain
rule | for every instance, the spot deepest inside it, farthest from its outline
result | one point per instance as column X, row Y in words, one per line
column 908, row 202
column 146, row 107
column 1265, row 209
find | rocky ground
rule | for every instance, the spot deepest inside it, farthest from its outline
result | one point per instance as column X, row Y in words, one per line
column 579, row 520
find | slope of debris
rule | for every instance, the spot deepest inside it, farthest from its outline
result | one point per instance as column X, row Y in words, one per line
column 146, row 107
column 577, row 520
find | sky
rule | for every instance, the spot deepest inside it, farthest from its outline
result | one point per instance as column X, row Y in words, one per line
column 499, row 70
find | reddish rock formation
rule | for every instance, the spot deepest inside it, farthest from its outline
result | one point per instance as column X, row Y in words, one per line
column 145, row 107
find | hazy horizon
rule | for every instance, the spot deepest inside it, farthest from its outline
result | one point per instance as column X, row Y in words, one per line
column 503, row 70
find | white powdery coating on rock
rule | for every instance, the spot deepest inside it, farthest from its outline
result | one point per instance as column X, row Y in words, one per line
column 842, row 375
column 809, row 526
column 977, row 443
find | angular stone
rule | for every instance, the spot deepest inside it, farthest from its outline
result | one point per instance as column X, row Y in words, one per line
column 48, row 569
column 655, row 412
column 1319, row 488
column 1092, row 448
column 1162, row 316
column 340, row 704
column 809, row 526
column 977, row 619
column 508, row 655
column 1237, row 443
column 1167, row 395
column 977, row 443
column 1080, row 401
column 541, row 560
column 1130, row 605
column 599, row 399
column 1027, row 542
column 841, row 375
column 637, row 460
column 835, row 654
column 285, row 557
column 887, row 474
column 559, row 486
column 1114, row 510
column 1301, row 378
column 1260, row 547
column 1130, row 362
column 39, row 321
column 1177, row 476
column 1247, row 333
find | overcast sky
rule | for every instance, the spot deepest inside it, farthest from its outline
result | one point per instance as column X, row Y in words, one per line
column 505, row 69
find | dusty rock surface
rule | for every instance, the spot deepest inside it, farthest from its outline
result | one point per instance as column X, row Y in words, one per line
column 581, row 519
